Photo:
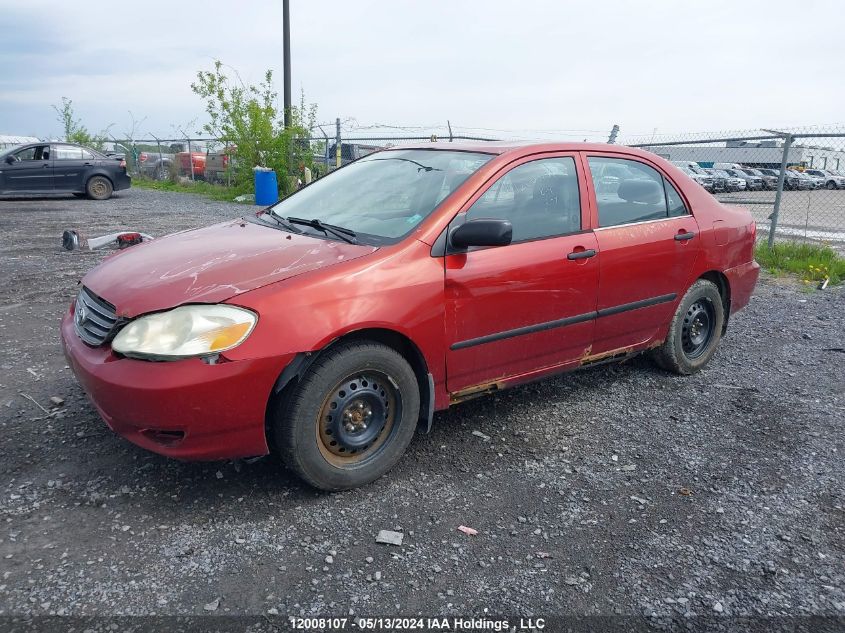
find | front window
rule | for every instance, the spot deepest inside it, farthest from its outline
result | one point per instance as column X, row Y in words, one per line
column 539, row 198
column 384, row 196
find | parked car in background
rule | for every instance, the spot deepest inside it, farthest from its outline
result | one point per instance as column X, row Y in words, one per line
column 157, row 165
column 732, row 183
column 769, row 182
column 328, row 327
column 752, row 183
column 39, row 168
column 696, row 172
column 790, row 180
column 348, row 153
column 218, row 164
column 720, row 179
column 191, row 164
column 804, row 181
column 829, row 179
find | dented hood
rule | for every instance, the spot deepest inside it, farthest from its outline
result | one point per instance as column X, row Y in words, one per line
column 210, row 265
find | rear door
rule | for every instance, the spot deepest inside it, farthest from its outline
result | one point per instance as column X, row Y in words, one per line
column 514, row 309
column 71, row 164
column 32, row 170
column 648, row 241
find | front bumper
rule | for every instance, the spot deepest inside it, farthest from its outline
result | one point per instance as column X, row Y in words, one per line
column 185, row 409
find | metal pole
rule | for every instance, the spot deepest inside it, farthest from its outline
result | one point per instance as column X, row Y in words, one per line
column 613, row 133
column 286, row 36
column 449, row 125
column 787, row 143
column 191, row 159
column 337, row 142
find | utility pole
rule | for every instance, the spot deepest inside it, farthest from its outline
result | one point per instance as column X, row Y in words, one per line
column 286, row 35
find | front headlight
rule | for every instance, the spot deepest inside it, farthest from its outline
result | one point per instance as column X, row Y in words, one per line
column 194, row 330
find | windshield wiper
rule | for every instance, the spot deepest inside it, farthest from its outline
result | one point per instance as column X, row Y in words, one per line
column 346, row 235
column 280, row 221
column 408, row 160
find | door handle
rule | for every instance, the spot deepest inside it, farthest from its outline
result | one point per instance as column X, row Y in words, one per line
column 680, row 237
column 582, row 254
column 88, row 164
column 46, row 165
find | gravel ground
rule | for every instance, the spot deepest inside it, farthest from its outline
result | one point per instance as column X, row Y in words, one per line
column 618, row 490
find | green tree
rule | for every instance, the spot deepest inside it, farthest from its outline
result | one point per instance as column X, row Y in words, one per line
column 246, row 119
column 74, row 131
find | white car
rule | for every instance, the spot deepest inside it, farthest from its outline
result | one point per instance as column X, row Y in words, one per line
column 829, row 179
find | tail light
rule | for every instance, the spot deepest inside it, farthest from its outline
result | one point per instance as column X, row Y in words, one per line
column 142, row 157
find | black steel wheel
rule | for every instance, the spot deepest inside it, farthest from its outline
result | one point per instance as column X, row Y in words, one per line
column 350, row 418
column 99, row 188
column 695, row 330
column 357, row 418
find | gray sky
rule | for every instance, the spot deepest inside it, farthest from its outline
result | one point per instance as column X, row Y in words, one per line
column 510, row 69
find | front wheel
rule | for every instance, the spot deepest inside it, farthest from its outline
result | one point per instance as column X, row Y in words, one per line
column 695, row 330
column 99, row 188
column 350, row 418
column 831, row 185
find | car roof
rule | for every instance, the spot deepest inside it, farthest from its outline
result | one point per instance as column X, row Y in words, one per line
column 524, row 147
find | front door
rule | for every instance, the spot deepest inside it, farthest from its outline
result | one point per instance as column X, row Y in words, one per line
column 514, row 309
column 648, row 241
column 32, row 170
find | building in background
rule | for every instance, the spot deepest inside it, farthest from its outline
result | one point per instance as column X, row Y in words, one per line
column 754, row 154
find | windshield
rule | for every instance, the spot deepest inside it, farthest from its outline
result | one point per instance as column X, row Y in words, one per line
column 385, row 195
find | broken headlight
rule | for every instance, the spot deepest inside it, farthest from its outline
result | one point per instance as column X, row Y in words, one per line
column 184, row 332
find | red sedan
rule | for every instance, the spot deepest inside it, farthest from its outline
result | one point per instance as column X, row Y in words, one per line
column 330, row 326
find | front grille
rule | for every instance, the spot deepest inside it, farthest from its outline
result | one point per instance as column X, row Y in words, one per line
column 95, row 319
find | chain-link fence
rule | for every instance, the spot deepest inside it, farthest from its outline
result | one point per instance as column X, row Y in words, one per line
column 792, row 180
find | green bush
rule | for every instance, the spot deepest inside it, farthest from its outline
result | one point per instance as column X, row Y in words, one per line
column 245, row 117
column 812, row 262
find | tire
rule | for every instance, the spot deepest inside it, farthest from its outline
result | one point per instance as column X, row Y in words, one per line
column 695, row 330
column 162, row 172
column 99, row 188
column 831, row 185
column 321, row 430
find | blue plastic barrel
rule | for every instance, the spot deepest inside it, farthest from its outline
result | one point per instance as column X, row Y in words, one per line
column 266, row 186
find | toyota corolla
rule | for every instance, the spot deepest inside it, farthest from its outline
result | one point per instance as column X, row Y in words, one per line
column 330, row 326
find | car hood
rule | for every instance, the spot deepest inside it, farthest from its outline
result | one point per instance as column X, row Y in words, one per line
column 210, row 265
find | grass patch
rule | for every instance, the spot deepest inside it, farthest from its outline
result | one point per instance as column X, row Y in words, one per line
column 811, row 262
column 199, row 187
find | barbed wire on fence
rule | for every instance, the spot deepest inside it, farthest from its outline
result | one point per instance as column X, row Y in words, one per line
column 791, row 178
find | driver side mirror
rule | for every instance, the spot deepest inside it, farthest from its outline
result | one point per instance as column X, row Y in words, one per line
column 10, row 159
column 481, row 232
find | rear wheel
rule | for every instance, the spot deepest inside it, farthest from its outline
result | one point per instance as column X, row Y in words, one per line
column 99, row 188
column 831, row 185
column 350, row 418
column 695, row 330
